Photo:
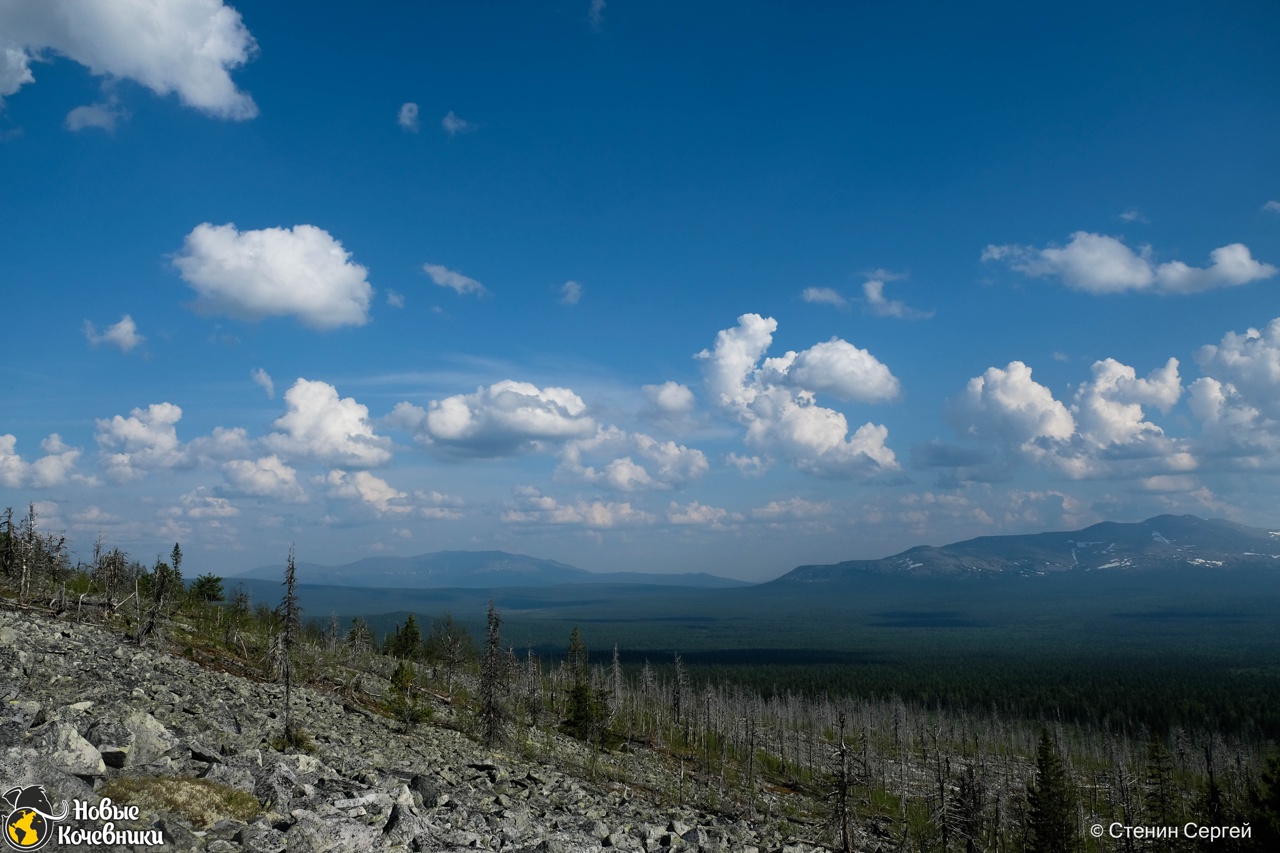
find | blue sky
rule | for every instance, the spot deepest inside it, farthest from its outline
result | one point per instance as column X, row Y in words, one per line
column 722, row 287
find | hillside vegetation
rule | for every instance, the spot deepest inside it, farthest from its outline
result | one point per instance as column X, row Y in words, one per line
column 660, row 759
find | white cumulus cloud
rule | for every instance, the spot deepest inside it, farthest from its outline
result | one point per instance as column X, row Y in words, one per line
column 748, row 466
column 53, row 469
column 1099, row 264
column 835, row 367
column 186, row 47
column 266, row 477
column 201, row 504
column 319, row 425
column 146, row 440
column 670, row 398
column 882, row 306
column 222, row 444
column 503, row 419
column 623, row 461
column 273, row 272
column 1011, row 407
column 1233, row 429
column 1104, row 433
column 435, row 506
column 1250, row 362
column 1108, row 410
column 535, row 508
column 123, row 334
column 695, row 513
column 1237, row 402
column 774, row 399
column 791, row 509
column 363, row 486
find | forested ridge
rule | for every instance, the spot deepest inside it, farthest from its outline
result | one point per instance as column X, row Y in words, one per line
column 849, row 766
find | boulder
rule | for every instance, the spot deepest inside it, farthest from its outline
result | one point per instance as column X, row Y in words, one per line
column 67, row 751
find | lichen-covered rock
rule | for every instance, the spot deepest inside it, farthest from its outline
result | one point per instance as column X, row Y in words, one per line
column 67, row 751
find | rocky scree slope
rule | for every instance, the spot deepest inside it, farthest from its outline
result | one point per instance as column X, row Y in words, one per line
column 82, row 707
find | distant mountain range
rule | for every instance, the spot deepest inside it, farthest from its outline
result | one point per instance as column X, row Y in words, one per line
column 474, row 570
column 1163, row 542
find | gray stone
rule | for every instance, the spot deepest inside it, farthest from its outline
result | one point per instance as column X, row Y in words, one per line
column 69, row 752
column 369, row 787
column 260, row 838
column 312, row 834
column 696, row 836
column 233, row 777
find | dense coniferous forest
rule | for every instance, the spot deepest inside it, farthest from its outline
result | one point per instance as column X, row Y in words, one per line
column 1109, row 764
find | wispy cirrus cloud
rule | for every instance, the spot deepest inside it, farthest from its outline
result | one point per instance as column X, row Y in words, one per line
column 263, row 379
column 570, row 293
column 453, row 125
column 824, row 296
column 408, row 118
column 595, row 15
column 104, row 115
column 455, row 281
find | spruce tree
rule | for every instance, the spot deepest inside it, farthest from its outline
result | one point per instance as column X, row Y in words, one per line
column 1161, row 794
column 175, row 560
column 586, row 714
column 207, row 589
column 290, row 629
column 493, row 678
column 1264, row 807
column 1051, row 803
column 406, row 641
